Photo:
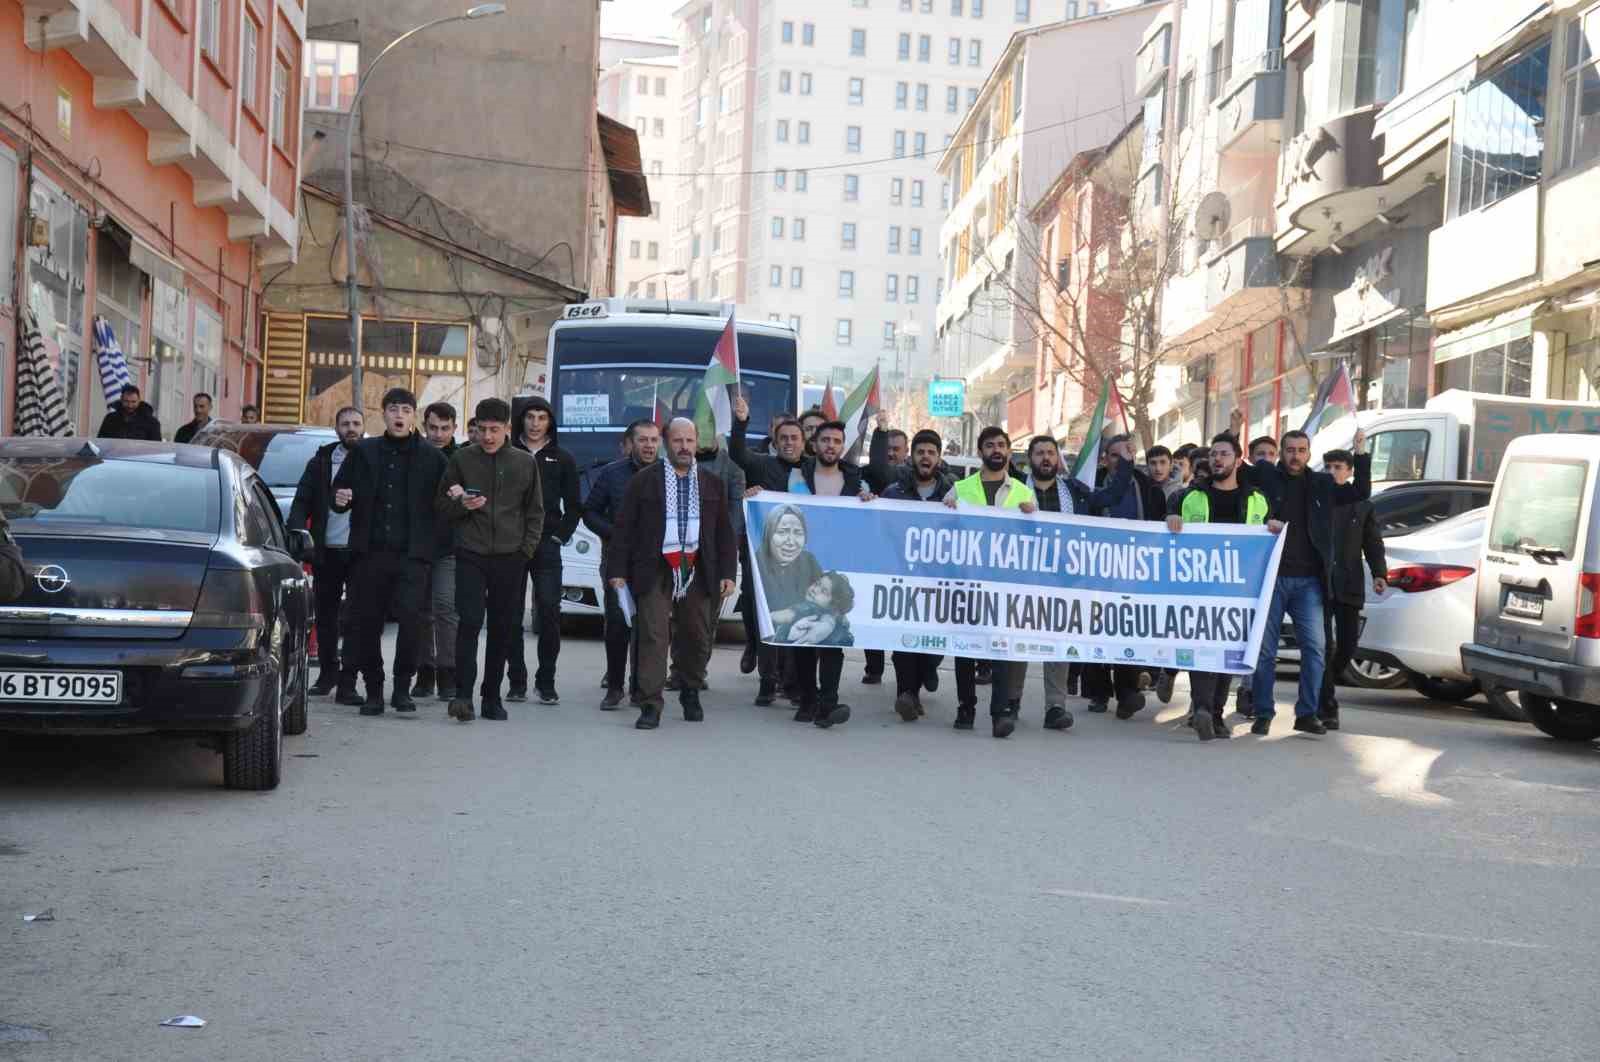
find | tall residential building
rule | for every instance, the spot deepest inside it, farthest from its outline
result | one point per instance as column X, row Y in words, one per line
column 812, row 139
column 642, row 91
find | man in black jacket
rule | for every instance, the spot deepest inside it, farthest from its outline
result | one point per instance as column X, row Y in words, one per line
column 780, row 471
column 387, row 486
column 888, row 455
column 1355, row 536
column 558, row 479
column 924, row 479
column 131, row 418
column 600, row 516
column 437, row 655
column 331, row 563
column 202, row 417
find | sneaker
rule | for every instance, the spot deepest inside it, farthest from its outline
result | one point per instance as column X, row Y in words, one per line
column 549, row 696
column 460, row 709
column 748, row 661
column 1261, row 726
column 425, row 682
column 966, row 718
column 832, row 715
column 373, row 705
column 348, row 696
column 692, row 712
column 766, row 695
column 1220, row 727
column 806, row 713
column 872, row 679
column 1098, row 707
column 492, row 709
column 1329, row 721
column 612, row 700
column 401, row 701
column 930, row 681
column 324, row 686
column 649, row 719
column 1004, row 725
column 1164, row 686
column 1057, row 718
column 1128, row 707
column 1204, row 725
column 1309, row 724
column 516, row 693
column 906, row 705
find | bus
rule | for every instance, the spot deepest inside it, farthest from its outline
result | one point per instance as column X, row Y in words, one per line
column 614, row 361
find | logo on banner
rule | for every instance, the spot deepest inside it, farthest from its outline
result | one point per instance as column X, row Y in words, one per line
column 1099, row 653
column 1072, row 652
column 1186, row 658
column 1233, row 658
column 1000, row 645
column 925, row 641
column 1128, row 653
column 965, row 643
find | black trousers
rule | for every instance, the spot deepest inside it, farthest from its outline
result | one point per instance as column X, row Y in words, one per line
column 1102, row 682
column 331, row 577
column 1002, row 683
column 486, row 584
column 1343, row 623
column 619, row 637
column 818, row 671
column 874, row 661
column 910, row 669
column 386, row 583
column 747, row 597
column 1208, row 692
column 544, row 571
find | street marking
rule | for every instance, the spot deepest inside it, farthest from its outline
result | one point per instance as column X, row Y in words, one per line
column 1471, row 940
column 1137, row 901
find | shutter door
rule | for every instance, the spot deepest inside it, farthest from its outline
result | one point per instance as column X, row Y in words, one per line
column 284, row 377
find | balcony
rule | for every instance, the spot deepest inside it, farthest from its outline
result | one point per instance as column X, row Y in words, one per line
column 1154, row 59
column 1242, row 253
column 94, row 34
column 1329, row 175
column 1250, row 111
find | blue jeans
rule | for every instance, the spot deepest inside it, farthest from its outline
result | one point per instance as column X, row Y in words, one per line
column 1301, row 596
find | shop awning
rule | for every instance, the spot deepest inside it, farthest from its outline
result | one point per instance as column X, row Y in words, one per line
column 154, row 263
column 1493, row 332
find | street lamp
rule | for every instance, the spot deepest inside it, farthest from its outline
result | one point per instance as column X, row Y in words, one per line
column 352, row 299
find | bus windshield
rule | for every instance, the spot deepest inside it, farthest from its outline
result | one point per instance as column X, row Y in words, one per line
column 605, row 377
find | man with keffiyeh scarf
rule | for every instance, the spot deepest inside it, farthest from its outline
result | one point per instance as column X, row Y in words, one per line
column 672, row 546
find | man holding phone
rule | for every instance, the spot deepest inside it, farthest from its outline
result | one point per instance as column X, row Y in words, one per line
column 490, row 494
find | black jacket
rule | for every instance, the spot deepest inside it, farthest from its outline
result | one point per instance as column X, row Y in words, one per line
column 142, row 425
column 905, row 487
column 187, row 432
column 1323, row 496
column 605, row 496
column 313, row 497
column 879, row 473
column 1355, row 535
column 360, row 474
column 767, row 471
column 558, row 475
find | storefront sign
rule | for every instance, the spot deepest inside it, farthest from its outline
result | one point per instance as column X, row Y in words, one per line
column 947, row 398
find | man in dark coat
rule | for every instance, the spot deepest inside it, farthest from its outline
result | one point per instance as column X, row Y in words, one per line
column 558, row 479
column 600, row 516
column 131, row 418
column 1355, row 537
column 202, row 417
column 673, row 550
column 331, row 563
column 387, row 486
column 925, row 479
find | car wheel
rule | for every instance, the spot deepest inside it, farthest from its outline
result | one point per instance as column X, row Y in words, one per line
column 295, row 715
column 1450, row 690
column 1498, row 704
column 253, row 759
column 1371, row 675
column 1563, row 720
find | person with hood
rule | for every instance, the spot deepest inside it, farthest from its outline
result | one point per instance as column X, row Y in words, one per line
column 600, row 516
column 558, row 480
column 778, row 471
column 925, row 479
column 332, row 561
column 202, row 417
column 131, row 418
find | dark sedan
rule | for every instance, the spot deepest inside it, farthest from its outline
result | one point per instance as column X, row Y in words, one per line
column 165, row 594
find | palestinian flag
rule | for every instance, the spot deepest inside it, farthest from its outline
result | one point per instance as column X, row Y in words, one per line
column 1336, row 390
column 1088, row 462
column 830, row 408
column 860, row 406
column 662, row 414
column 713, row 412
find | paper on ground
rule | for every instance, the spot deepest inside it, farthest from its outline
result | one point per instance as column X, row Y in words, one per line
column 185, row 1021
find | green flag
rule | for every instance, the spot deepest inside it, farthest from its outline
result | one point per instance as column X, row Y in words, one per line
column 1088, row 462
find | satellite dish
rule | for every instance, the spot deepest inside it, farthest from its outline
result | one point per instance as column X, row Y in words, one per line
column 1213, row 216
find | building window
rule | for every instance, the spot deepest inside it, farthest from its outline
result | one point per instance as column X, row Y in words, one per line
column 894, row 239
column 797, row 228
column 802, row 178
column 777, row 228
column 332, row 70
column 653, row 251
column 1505, row 368
column 899, row 143
column 780, row 179
column 897, row 190
column 888, row 335
column 1498, row 149
column 641, row 85
column 783, row 130
column 775, row 277
column 1580, row 90
column 977, row 8
column 210, row 29
column 842, row 329
column 788, row 33
column 852, row 139
column 857, row 91
column 280, row 104
column 902, row 95
column 661, row 86
column 1185, row 96
column 891, row 287
column 1024, row 10
column 955, row 9
column 802, row 133
column 922, row 96
column 919, row 144
column 912, row 286
column 847, row 235
column 1219, row 72
column 716, row 239
column 903, row 47
column 916, row 193
column 805, row 84
column 808, row 34
column 924, row 48
column 1384, row 25
column 249, row 62
column 797, row 277
column 1072, row 9
column 858, row 42
column 975, row 52
column 658, row 126
column 635, row 248
column 794, row 324
column 915, row 244
column 785, row 82
column 955, row 51
column 852, row 188
column 972, row 98
column 927, row 7
column 952, row 100
column 694, row 246
column 650, row 290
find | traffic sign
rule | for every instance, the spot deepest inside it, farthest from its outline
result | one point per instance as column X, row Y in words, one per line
column 947, row 398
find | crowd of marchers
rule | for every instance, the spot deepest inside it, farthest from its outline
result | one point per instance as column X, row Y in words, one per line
column 447, row 540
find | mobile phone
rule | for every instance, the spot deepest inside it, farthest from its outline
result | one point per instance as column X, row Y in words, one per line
column 472, row 492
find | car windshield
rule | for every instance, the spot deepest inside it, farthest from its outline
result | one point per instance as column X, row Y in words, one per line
column 59, row 495
column 1538, row 506
column 284, row 460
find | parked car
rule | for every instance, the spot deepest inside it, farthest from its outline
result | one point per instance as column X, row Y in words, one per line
column 278, row 452
column 1418, row 625
column 1536, row 628
column 166, row 595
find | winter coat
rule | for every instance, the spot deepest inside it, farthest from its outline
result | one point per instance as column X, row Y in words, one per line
column 142, row 425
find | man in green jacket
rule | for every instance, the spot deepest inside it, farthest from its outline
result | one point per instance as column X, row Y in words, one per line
column 491, row 495
column 993, row 485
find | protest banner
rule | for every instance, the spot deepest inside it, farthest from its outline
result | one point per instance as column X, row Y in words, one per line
column 1004, row 585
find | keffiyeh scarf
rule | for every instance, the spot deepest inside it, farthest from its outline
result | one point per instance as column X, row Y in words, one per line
column 681, row 542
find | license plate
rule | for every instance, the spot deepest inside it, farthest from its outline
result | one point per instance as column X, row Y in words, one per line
column 1529, row 606
column 94, row 687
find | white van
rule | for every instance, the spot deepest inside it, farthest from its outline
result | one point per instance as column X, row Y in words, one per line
column 1537, row 626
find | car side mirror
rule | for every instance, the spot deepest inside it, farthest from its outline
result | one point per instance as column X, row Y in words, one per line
column 301, row 544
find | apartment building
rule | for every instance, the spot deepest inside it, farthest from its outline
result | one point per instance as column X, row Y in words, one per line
column 814, row 141
column 149, row 161
column 1054, row 91
column 643, row 92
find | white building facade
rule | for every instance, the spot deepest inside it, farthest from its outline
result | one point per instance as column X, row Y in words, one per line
column 644, row 92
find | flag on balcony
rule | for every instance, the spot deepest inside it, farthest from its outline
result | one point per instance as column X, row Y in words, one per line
column 40, row 410
column 1088, row 461
column 860, row 406
column 113, row 365
column 1336, row 390
column 713, row 410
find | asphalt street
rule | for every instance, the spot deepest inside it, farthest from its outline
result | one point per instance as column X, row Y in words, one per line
column 1421, row 885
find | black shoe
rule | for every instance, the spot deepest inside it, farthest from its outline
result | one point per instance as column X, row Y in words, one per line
column 612, row 700
column 748, row 661
column 517, row 693
column 692, row 712
column 1204, row 725
column 548, row 695
column 1242, row 704
column 806, row 713
column 766, row 695
column 1220, row 727
column 324, row 686
column 1098, row 707
column 1261, row 726
column 1003, row 726
column 965, row 718
column 635, row 700
column 348, row 696
column 402, row 701
column 1309, row 724
column 1128, row 707
column 649, row 719
column 1057, row 718
column 493, row 710
column 832, row 715
column 906, row 706
column 373, row 705
column 461, row 709
column 446, row 686
column 930, row 681
column 983, row 674
column 425, row 682
column 871, row 679
column 1164, row 686
column 1330, row 721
